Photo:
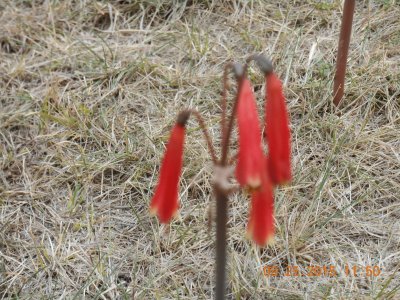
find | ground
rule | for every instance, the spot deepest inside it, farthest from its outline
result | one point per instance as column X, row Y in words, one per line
column 88, row 93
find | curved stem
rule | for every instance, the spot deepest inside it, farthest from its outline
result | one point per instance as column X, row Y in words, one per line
column 238, row 71
column 225, row 140
column 185, row 114
column 263, row 63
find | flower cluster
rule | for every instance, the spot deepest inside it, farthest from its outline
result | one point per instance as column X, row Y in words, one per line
column 255, row 171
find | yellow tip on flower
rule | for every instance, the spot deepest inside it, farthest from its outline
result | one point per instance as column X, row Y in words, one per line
column 254, row 183
column 248, row 234
column 284, row 184
column 153, row 211
column 269, row 240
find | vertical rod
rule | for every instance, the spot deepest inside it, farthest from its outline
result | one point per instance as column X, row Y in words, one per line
column 343, row 49
column 222, row 217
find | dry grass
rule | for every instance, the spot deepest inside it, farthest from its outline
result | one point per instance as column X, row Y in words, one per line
column 88, row 92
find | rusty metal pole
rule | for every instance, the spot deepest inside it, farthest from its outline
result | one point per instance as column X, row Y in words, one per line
column 343, row 49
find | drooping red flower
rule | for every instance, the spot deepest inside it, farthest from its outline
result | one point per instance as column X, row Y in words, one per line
column 277, row 131
column 261, row 226
column 250, row 157
column 165, row 200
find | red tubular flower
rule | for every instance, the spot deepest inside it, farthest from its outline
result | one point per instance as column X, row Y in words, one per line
column 277, row 132
column 250, row 157
column 165, row 200
column 261, row 223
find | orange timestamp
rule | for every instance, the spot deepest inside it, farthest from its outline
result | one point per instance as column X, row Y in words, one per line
column 320, row 271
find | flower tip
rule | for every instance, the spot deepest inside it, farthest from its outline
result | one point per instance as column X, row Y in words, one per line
column 285, row 183
column 268, row 240
column 153, row 211
column 248, row 234
column 163, row 213
column 254, row 183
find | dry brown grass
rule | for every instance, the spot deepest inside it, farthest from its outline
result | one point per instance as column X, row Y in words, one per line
column 88, row 92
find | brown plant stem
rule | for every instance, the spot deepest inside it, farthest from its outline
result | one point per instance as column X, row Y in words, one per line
column 343, row 49
column 221, row 192
column 238, row 71
column 223, row 101
column 222, row 217
column 228, row 131
column 203, row 126
column 184, row 115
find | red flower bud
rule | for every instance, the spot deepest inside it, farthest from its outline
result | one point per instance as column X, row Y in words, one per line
column 277, row 132
column 261, row 223
column 165, row 201
column 249, row 167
